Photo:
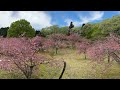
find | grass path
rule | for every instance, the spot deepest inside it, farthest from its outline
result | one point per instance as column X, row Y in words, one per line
column 79, row 68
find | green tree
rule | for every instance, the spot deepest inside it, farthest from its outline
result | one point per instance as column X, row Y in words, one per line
column 63, row 30
column 45, row 31
column 55, row 29
column 50, row 30
column 96, row 33
column 3, row 31
column 111, row 25
column 87, row 30
column 77, row 30
column 21, row 27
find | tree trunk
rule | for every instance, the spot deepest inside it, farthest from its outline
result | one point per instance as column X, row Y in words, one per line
column 63, row 70
column 108, row 58
column 56, row 50
column 85, row 55
column 28, row 74
column 69, row 32
column 31, row 70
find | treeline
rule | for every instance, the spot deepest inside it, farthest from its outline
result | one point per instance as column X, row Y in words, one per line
column 91, row 31
column 3, row 31
column 102, row 29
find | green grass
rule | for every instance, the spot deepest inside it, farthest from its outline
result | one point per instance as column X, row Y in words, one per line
column 11, row 75
column 79, row 68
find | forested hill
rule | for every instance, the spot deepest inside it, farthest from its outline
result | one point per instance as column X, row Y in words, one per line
column 102, row 29
column 90, row 30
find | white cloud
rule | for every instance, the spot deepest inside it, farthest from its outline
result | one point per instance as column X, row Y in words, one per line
column 38, row 19
column 68, row 21
column 96, row 15
column 6, row 18
column 118, row 12
column 93, row 15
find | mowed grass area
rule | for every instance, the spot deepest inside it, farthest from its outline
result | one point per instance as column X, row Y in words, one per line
column 77, row 68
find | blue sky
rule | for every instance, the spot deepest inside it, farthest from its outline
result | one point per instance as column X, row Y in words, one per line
column 41, row 19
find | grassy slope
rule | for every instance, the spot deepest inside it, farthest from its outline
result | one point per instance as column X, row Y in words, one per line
column 79, row 68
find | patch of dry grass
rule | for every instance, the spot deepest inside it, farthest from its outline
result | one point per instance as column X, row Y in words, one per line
column 79, row 68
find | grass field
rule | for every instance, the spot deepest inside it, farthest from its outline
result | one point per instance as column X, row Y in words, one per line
column 77, row 68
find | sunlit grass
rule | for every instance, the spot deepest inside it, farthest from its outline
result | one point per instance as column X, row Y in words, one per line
column 79, row 68
column 11, row 75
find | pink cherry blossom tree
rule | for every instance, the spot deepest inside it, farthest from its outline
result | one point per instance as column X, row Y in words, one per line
column 112, row 45
column 100, row 49
column 55, row 41
column 82, row 46
column 38, row 43
column 96, row 51
column 73, row 38
column 19, row 53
